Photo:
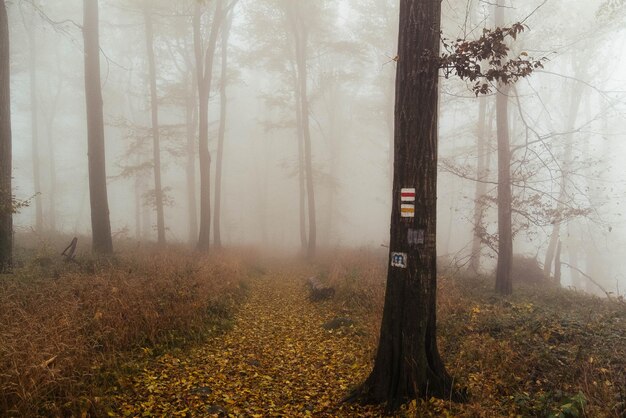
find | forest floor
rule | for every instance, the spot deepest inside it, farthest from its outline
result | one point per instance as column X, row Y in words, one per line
column 278, row 360
column 544, row 352
column 234, row 334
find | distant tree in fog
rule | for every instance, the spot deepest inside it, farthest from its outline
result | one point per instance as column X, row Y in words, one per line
column 217, row 238
column 154, row 110
column 6, row 194
column 100, row 223
column 204, row 52
column 34, row 118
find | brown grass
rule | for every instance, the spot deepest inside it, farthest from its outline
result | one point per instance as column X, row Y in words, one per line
column 65, row 327
column 544, row 351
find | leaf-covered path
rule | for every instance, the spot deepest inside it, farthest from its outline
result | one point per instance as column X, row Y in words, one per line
column 277, row 360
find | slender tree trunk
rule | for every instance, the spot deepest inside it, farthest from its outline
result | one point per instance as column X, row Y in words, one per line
column 34, row 125
column 6, row 196
column 154, row 107
column 481, row 186
column 301, row 171
column 573, row 252
column 52, row 172
column 100, row 224
column 557, row 264
column 575, row 101
column 407, row 363
column 504, row 284
column 301, row 45
column 204, row 68
column 52, row 169
column 191, row 120
column 138, row 220
column 217, row 240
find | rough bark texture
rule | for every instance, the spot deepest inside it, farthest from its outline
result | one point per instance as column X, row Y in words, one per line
column 100, row 224
column 504, row 283
column 6, row 213
column 154, row 108
column 204, row 67
column 217, row 239
column 481, row 186
column 407, row 363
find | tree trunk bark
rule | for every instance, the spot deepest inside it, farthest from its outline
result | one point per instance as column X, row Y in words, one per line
column 407, row 363
column 481, row 186
column 34, row 125
column 100, row 223
column 6, row 196
column 204, row 68
column 217, row 239
column 504, row 284
column 154, row 108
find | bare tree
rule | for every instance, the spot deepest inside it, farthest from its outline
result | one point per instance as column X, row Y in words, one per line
column 504, row 284
column 100, row 223
column 6, row 197
column 300, row 38
column 34, row 123
column 204, row 54
column 217, row 239
column 154, row 108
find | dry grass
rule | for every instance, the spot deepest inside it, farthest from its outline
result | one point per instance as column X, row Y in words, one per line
column 542, row 352
column 65, row 327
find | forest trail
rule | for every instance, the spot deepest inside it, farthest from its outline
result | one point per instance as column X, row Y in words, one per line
column 277, row 360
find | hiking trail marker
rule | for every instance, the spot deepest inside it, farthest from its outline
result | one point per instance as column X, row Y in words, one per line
column 398, row 260
column 407, row 210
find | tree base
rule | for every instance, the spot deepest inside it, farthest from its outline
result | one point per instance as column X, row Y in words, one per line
column 366, row 394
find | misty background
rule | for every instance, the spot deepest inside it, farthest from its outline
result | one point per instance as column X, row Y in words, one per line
column 567, row 121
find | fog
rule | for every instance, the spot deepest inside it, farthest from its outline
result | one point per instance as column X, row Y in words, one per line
column 567, row 128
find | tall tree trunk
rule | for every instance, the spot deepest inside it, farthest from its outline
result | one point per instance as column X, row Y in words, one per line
column 574, row 106
column 52, row 172
column 407, row 363
column 154, row 107
column 301, row 170
column 34, row 125
column 504, row 284
column 100, row 223
column 6, row 196
column 301, row 45
column 217, row 239
column 52, row 169
column 204, row 68
column 481, row 186
column 191, row 120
